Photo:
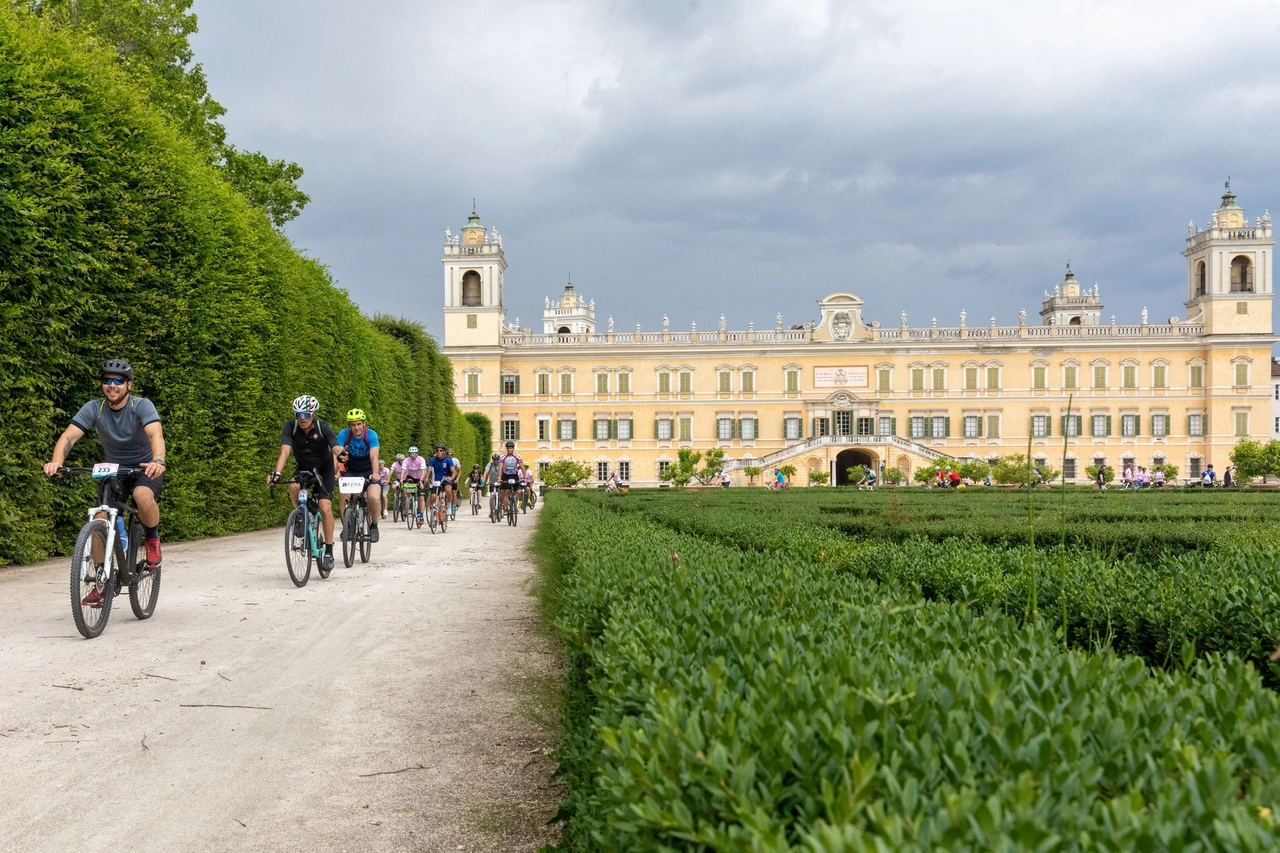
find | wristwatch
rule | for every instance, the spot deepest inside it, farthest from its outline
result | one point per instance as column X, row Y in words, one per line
column 159, row 460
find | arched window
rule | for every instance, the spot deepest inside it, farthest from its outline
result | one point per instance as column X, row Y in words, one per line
column 1200, row 279
column 1241, row 275
column 563, row 330
column 1074, row 321
column 471, row 288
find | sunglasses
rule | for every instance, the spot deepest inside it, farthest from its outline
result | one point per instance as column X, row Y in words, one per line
column 114, row 380
column 302, row 416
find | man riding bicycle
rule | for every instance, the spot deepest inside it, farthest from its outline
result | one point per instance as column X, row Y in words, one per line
column 315, row 447
column 360, row 454
column 131, row 435
column 453, row 485
column 492, row 477
column 475, row 480
column 509, row 467
column 413, row 468
column 445, row 475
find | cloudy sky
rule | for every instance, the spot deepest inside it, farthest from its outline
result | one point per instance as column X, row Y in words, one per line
column 747, row 158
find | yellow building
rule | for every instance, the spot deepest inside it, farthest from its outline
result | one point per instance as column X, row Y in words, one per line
column 840, row 391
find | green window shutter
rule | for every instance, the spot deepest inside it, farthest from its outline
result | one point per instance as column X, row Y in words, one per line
column 1108, row 425
column 735, row 428
column 1188, row 424
column 1137, row 424
column 928, row 426
column 655, row 427
column 979, row 426
column 575, row 428
column 1079, row 424
column 1064, row 425
column 517, row 429
column 613, row 429
column 517, row 383
column 946, row 429
column 893, row 426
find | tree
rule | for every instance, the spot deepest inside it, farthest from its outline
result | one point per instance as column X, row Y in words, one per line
column 819, row 478
column 1169, row 469
column 1108, row 473
column 855, row 473
column 1013, row 469
column 752, row 471
column 926, row 475
column 686, row 470
column 1255, row 459
column 269, row 185
column 788, row 471
column 566, row 473
column 975, row 470
column 893, row 476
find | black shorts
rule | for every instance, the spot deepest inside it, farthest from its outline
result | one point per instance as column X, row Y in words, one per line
column 120, row 488
column 510, row 482
column 328, row 480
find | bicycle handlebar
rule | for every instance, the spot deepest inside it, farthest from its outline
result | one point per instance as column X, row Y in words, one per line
column 68, row 471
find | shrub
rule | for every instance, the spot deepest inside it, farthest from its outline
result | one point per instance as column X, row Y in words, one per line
column 975, row 470
column 1108, row 473
column 566, row 473
column 819, row 478
column 893, row 476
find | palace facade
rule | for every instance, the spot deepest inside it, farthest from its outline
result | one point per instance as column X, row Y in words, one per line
column 839, row 391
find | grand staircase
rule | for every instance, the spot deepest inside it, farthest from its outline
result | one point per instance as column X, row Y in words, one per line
column 803, row 447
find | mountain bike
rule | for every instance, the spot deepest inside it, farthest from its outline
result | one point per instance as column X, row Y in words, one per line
column 106, row 556
column 409, row 503
column 303, row 542
column 509, row 501
column 524, row 499
column 355, row 521
column 495, row 502
column 475, row 500
column 395, row 502
column 437, row 509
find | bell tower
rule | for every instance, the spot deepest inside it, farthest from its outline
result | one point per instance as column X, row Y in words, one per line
column 473, row 276
column 1229, row 271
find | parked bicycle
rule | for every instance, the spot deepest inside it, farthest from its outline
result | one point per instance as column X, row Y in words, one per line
column 303, row 540
column 106, row 557
column 355, row 521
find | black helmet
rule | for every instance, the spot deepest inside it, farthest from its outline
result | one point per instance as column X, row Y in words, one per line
column 495, row 456
column 119, row 367
column 511, row 444
column 477, row 465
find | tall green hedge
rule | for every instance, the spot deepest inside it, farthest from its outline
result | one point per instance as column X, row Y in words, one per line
column 118, row 239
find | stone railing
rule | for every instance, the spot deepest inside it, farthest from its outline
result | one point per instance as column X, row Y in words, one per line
column 802, row 447
column 794, row 336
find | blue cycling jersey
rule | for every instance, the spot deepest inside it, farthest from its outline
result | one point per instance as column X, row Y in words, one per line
column 358, row 449
column 442, row 468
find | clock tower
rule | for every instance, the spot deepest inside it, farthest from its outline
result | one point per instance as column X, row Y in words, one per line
column 473, row 277
column 1229, row 267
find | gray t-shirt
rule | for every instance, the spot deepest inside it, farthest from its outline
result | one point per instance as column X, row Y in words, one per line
column 121, row 433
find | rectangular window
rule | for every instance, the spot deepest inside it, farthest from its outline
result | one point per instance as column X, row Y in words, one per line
column 1098, row 425
column 724, row 429
column 1196, row 463
column 1100, row 376
column 566, row 383
column 1069, row 469
column 624, row 385
column 1069, row 378
column 971, row 426
column 1038, row 378
column 602, row 383
column 843, row 423
column 1195, row 424
column 1040, row 426
column 686, row 429
column 1197, row 376
column 511, row 430
column 748, row 382
column 1071, row 425
column 791, row 428
column 1130, row 376
column 1242, row 423
column 602, row 471
column 993, row 426
column 542, row 468
column 725, row 381
column 866, row 426
column 624, row 429
column 1160, row 425
column 567, row 429
column 664, row 429
column 793, row 381
column 663, row 465
column 602, row 429
column 917, row 427
column 664, row 383
column 510, row 385
column 939, row 426
column 1242, row 375
column 971, row 379
column 917, row 379
column 748, row 429
column 886, row 426
column 472, row 321
column 993, row 379
column 1158, row 376
column 544, row 383
column 939, row 379
column 473, row 383
column 1129, row 425
column 821, row 426
column 624, row 470
column 883, row 379
column 686, row 382
column 544, row 429
column 1242, row 307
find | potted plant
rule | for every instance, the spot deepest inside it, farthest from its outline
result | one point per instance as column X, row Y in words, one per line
column 893, row 476
column 752, row 471
column 819, row 478
column 788, row 471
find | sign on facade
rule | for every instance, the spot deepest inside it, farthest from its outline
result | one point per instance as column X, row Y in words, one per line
column 840, row 377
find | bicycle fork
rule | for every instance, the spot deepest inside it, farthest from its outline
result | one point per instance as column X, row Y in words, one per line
column 109, row 550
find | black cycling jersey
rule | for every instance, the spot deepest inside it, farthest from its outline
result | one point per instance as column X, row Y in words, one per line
column 312, row 447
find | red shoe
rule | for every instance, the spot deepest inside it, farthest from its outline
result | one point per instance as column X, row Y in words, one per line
column 153, row 552
column 93, row 599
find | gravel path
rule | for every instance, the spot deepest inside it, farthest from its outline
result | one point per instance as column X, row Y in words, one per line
column 399, row 696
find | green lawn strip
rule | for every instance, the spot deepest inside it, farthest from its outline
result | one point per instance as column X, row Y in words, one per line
column 721, row 699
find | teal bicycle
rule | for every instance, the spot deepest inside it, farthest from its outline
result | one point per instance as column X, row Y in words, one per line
column 303, row 542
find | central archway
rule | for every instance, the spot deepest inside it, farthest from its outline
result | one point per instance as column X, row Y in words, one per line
column 846, row 459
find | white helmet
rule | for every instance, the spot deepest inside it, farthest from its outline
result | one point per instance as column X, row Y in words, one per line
column 306, row 403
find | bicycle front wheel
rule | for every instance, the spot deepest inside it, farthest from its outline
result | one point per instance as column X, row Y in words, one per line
column 297, row 550
column 91, row 593
column 511, row 511
column 395, row 508
column 410, row 510
column 366, row 540
column 350, row 529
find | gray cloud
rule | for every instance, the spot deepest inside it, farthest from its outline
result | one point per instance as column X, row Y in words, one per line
column 696, row 158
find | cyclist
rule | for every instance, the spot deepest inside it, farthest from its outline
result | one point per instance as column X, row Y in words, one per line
column 492, row 477
column 315, row 448
column 443, row 473
column 384, row 480
column 509, row 472
column 360, row 455
column 526, row 483
column 395, row 480
column 129, row 429
column 457, row 474
column 413, row 469
column 475, row 480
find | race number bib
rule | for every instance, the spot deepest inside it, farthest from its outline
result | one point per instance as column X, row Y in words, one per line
column 105, row 469
column 351, row 485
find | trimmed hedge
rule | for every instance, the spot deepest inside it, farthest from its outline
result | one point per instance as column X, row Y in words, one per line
column 118, row 239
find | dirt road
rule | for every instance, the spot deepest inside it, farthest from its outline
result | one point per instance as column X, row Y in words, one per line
column 390, row 703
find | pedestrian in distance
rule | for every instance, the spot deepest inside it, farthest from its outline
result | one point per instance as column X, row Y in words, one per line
column 129, row 428
column 1101, row 478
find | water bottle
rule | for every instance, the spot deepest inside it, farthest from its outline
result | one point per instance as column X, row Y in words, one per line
column 124, row 537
